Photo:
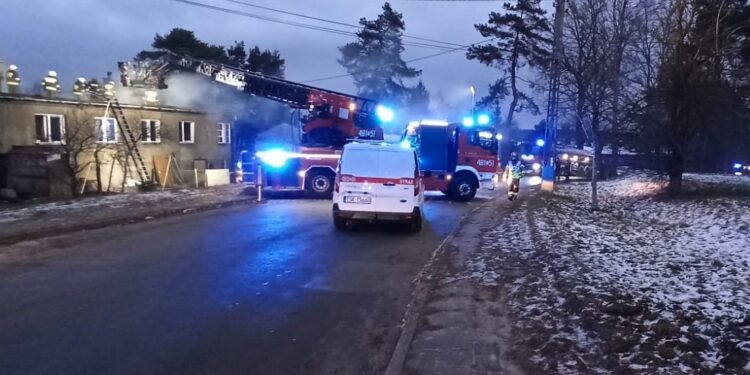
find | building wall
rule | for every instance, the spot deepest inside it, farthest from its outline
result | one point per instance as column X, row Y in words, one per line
column 17, row 128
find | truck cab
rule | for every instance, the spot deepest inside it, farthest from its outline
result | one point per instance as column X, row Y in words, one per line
column 455, row 159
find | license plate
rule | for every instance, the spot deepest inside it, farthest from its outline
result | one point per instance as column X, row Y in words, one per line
column 357, row 199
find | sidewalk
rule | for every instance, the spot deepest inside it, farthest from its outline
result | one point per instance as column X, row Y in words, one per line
column 464, row 326
column 36, row 220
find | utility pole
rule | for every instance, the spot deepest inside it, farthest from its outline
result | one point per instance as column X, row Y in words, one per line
column 550, row 132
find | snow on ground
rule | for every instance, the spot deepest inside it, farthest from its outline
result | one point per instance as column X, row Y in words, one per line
column 10, row 213
column 646, row 285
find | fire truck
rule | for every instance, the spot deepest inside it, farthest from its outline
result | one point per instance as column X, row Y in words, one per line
column 456, row 159
column 329, row 120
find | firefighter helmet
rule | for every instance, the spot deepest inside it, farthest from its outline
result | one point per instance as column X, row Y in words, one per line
column 52, row 73
column 12, row 67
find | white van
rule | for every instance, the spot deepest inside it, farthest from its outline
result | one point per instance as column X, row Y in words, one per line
column 377, row 181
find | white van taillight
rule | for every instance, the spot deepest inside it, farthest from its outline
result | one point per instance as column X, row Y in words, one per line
column 416, row 183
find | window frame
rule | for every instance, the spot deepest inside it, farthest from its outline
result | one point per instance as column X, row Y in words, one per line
column 98, row 130
column 151, row 138
column 182, row 133
column 47, row 129
column 225, row 133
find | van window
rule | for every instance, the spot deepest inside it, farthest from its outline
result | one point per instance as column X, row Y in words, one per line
column 396, row 164
column 359, row 163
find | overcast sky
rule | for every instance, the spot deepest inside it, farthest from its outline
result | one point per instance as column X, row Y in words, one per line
column 87, row 37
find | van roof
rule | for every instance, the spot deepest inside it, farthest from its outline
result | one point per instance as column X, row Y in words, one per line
column 381, row 146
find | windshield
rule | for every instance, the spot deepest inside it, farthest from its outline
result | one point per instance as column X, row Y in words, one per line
column 483, row 138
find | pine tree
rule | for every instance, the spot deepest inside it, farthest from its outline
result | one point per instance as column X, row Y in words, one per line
column 267, row 62
column 375, row 61
column 521, row 37
column 237, row 54
column 418, row 101
column 184, row 42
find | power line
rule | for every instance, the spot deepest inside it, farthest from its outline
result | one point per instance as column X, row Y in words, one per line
column 407, row 61
column 337, row 22
column 297, row 24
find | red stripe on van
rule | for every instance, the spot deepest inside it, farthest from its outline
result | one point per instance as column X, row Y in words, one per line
column 377, row 180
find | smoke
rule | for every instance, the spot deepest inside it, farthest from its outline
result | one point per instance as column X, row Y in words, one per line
column 251, row 115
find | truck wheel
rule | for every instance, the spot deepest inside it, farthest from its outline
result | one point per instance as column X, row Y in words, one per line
column 415, row 223
column 320, row 184
column 339, row 223
column 463, row 189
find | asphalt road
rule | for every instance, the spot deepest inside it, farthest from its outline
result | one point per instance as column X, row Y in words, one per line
column 265, row 289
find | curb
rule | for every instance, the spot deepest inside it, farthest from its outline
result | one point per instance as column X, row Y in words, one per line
column 123, row 220
column 419, row 297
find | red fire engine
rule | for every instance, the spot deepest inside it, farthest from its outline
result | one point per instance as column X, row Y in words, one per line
column 456, row 159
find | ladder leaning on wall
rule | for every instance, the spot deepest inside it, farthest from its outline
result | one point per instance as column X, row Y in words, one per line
column 129, row 139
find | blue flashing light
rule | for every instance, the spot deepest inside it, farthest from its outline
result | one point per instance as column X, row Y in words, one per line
column 384, row 113
column 405, row 144
column 468, row 122
column 275, row 158
column 737, row 166
column 483, row 119
column 540, row 142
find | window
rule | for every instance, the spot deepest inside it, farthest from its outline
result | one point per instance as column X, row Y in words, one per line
column 187, row 132
column 106, row 130
column 150, row 131
column 50, row 129
column 225, row 133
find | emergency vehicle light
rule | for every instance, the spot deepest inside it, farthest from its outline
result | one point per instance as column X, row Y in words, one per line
column 483, row 119
column 737, row 166
column 499, row 137
column 274, row 158
column 468, row 122
column 540, row 142
column 405, row 144
column 384, row 113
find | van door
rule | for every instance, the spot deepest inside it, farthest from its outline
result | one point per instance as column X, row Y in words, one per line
column 394, row 190
column 356, row 168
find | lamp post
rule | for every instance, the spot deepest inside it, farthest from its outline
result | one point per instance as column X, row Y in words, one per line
column 473, row 101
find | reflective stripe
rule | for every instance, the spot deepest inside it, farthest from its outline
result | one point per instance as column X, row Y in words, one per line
column 377, row 180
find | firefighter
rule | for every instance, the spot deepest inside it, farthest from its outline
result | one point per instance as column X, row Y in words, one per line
column 93, row 87
column 513, row 173
column 109, row 89
column 51, row 84
column 13, row 79
column 79, row 87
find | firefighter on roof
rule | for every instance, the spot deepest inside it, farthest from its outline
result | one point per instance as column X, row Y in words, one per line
column 93, row 86
column 79, row 87
column 51, row 84
column 13, row 79
column 109, row 89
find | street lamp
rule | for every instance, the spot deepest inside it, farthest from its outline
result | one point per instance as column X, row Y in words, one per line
column 473, row 97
